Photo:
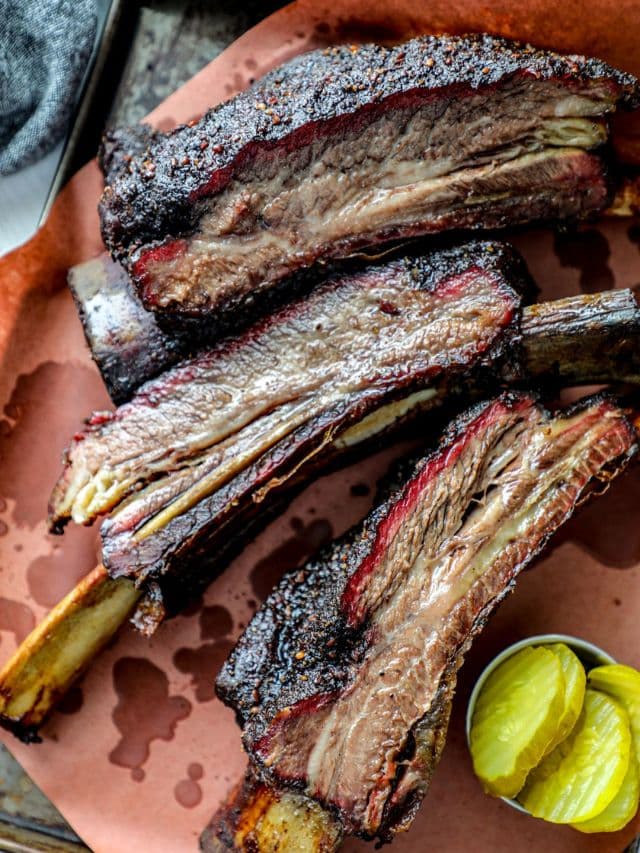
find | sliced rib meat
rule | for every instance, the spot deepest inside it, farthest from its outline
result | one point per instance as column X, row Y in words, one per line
column 351, row 146
column 214, row 436
column 343, row 680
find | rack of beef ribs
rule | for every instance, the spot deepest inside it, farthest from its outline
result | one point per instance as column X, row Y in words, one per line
column 343, row 680
column 202, row 447
column 354, row 146
column 205, row 448
column 204, row 455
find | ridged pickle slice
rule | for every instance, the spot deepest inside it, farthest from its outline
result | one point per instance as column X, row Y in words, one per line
column 622, row 683
column 622, row 807
column 575, row 682
column 516, row 718
column 584, row 773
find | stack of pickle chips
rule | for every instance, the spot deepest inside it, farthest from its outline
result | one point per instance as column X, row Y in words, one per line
column 561, row 741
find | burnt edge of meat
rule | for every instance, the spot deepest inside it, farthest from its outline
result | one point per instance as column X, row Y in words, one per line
column 114, row 158
column 156, row 180
column 127, row 344
column 24, row 733
column 222, row 829
column 332, row 646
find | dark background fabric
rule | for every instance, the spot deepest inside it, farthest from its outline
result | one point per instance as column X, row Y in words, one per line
column 45, row 46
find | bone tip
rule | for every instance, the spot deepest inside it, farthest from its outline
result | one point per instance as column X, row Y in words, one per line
column 24, row 732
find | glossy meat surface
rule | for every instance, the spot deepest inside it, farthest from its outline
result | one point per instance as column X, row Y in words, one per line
column 343, row 680
column 218, row 434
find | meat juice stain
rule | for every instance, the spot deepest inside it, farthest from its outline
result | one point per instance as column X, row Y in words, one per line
column 192, row 608
column 204, row 662
column 215, row 621
column 51, row 576
column 145, row 712
column 586, row 250
column 71, row 702
column 187, row 792
column 30, row 455
column 360, row 490
column 306, row 540
column 16, row 618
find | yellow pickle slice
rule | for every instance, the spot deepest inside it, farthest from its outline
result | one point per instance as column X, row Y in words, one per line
column 622, row 683
column 575, row 681
column 622, row 807
column 516, row 718
column 583, row 774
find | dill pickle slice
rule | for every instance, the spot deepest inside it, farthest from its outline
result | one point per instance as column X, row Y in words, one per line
column 515, row 718
column 622, row 683
column 584, row 773
column 622, row 807
column 575, row 681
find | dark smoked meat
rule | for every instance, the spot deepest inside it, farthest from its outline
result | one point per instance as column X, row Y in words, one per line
column 349, row 147
column 343, row 680
column 217, row 435
column 219, row 441
column 591, row 338
column 126, row 342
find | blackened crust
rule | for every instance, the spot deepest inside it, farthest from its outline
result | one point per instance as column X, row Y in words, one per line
column 126, row 342
column 261, row 679
column 154, row 180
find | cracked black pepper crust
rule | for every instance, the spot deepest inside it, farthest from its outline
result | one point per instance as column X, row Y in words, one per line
column 155, row 182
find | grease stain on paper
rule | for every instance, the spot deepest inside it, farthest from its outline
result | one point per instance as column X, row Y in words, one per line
column 215, row 621
column 188, row 792
column 72, row 701
column 30, row 455
column 204, row 662
column 586, row 250
column 307, row 539
column 16, row 618
column 51, row 576
column 145, row 712
column 360, row 490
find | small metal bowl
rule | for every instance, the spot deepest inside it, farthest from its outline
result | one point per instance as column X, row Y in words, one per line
column 589, row 654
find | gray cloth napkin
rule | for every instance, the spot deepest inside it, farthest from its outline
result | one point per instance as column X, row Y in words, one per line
column 45, row 46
